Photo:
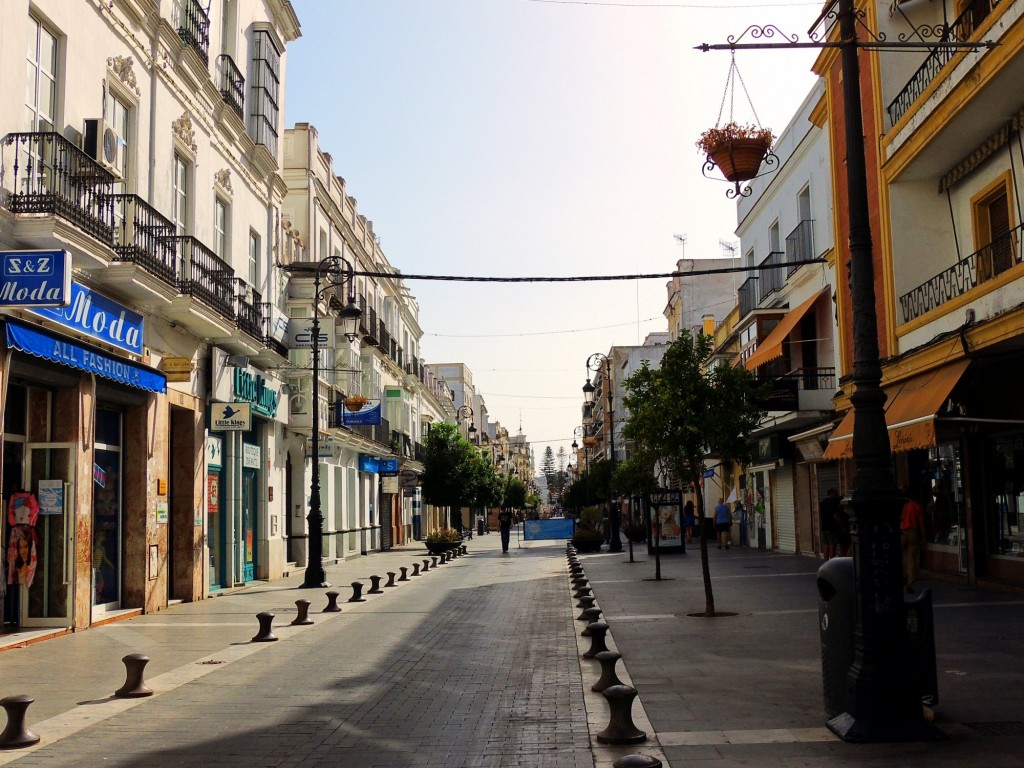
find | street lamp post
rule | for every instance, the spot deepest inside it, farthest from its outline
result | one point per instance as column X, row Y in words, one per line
column 337, row 271
column 465, row 413
column 594, row 363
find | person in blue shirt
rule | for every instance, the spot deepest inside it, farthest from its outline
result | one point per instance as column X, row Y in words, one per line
column 723, row 523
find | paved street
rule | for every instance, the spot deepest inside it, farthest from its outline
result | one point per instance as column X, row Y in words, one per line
column 477, row 663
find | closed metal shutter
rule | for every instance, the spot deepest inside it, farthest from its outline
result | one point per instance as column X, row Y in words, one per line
column 785, row 515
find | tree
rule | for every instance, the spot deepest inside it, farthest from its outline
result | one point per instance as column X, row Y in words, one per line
column 560, row 473
column 451, row 471
column 635, row 477
column 547, row 468
column 685, row 411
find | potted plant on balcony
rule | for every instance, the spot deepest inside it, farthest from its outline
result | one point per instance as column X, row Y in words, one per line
column 737, row 150
column 354, row 402
column 442, row 539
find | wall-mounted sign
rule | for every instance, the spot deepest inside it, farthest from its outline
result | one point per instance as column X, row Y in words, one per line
column 389, row 485
column 254, row 389
column 409, row 479
column 177, row 368
column 368, row 415
column 214, row 451
column 230, row 417
column 392, row 393
column 35, row 278
column 300, row 333
column 51, row 497
column 367, row 463
column 161, row 512
column 278, row 325
column 101, row 318
column 250, row 456
column 388, row 467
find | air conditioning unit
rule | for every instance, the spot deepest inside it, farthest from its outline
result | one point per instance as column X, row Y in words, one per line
column 103, row 145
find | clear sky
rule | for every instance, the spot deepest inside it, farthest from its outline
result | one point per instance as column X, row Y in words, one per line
column 536, row 138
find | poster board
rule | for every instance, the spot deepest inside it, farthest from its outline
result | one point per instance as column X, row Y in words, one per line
column 667, row 509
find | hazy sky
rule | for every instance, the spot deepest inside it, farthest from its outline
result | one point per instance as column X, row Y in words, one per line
column 536, row 138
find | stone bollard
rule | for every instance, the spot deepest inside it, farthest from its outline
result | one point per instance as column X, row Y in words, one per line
column 433, row 561
column 445, row 557
column 134, row 686
column 426, row 566
column 16, row 735
column 302, row 614
column 576, row 569
column 465, row 549
column 374, row 586
column 415, row 569
column 391, row 580
column 608, row 677
column 589, row 615
column 582, row 592
column 620, row 728
column 637, row 761
column 581, row 604
column 266, row 633
column 586, row 602
column 332, row 603
column 580, row 581
column 597, row 629
column 357, row 593
column 405, row 574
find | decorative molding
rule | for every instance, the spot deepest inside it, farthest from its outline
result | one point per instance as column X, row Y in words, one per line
column 183, row 131
column 222, row 179
column 123, row 67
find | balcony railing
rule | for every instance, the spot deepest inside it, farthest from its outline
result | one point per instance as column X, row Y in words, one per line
column 378, row 433
column 959, row 31
column 784, row 392
column 49, row 174
column 248, row 309
column 799, row 245
column 194, row 28
column 747, row 296
column 772, row 279
column 984, row 264
column 143, row 236
column 205, row 276
column 232, row 84
column 419, row 452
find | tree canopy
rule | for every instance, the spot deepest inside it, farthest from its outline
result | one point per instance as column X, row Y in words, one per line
column 455, row 474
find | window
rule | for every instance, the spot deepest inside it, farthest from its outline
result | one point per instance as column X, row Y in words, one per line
column 41, row 78
column 179, row 195
column 254, row 259
column 220, row 229
column 266, row 79
column 993, row 230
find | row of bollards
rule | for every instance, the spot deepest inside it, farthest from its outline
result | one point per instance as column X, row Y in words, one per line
column 17, row 735
column 621, row 729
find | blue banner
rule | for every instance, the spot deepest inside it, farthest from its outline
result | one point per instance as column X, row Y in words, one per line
column 25, row 339
column 99, row 317
column 368, row 415
column 35, row 278
column 555, row 528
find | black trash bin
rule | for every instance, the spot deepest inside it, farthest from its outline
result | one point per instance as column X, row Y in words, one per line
column 480, row 526
column 921, row 642
column 836, row 619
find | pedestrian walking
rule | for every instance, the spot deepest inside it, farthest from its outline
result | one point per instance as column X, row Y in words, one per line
column 723, row 523
column 689, row 520
column 505, row 526
column 828, row 521
column 911, row 539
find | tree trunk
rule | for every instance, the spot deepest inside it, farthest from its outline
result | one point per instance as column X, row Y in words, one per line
column 709, row 595
column 656, row 525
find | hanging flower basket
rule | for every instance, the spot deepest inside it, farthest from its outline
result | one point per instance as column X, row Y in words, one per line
column 737, row 150
column 354, row 402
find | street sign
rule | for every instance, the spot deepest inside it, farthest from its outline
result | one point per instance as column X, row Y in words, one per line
column 35, row 278
column 231, row 417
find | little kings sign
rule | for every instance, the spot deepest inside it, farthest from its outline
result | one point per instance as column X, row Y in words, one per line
column 254, row 389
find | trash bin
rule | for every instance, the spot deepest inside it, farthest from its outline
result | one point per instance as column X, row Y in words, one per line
column 921, row 642
column 836, row 619
column 479, row 526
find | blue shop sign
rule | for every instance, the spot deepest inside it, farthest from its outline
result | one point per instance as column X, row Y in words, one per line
column 33, row 342
column 368, row 415
column 367, row 463
column 388, row 467
column 99, row 317
column 35, row 278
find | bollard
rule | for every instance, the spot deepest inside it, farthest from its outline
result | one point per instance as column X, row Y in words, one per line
column 391, row 580
column 134, row 686
column 581, row 604
column 302, row 614
column 598, row 629
column 608, row 677
column 589, row 615
column 426, row 566
column 405, row 574
column 16, row 735
column 580, row 581
column 637, row 761
column 357, row 593
column 465, row 549
column 266, row 633
column 433, row 563
column 332, row 603
column 582, row 592
column 374, row 586
column 620, row 728
column 445, row 556
column 585, row 602
column 415, row 569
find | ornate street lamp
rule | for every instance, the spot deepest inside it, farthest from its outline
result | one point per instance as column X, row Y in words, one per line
column 336, row 272
column 465, row 413
column 594, row 363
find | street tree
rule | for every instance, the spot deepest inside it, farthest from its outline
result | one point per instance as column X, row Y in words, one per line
column 635, row 477
column 547, row 468
column 451, row 470
column 687, row 410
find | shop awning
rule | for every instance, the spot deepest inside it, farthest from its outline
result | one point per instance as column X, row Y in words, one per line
column 910, row 410
column 58, row 350
column 771, row 347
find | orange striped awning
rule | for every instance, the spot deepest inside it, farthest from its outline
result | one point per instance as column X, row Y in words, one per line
column 771, row 347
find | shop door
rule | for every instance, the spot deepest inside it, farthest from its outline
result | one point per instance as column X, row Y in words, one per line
column 46, row 575
column 247, row 528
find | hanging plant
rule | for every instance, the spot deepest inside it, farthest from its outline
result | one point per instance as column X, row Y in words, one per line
column 354, row 402
column 737, row 150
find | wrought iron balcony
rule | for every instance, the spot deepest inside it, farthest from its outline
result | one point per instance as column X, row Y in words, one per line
column 801, row 390
column 747, row 296
column 383, row 337
column 378, row 433
column 968, row 273
column 249, row 309
column 959, row 31
column 205, row 276
column 194, row 28
column 772, row 279
column 799, row 245
column 232, row 84
column 143, row 236
column 49, row 174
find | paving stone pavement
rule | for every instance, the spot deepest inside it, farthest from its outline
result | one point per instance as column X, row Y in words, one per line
column 474, row 664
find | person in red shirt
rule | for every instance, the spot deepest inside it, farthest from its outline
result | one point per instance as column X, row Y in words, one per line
column 911, row 539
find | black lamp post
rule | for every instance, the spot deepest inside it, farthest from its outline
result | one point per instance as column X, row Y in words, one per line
column 594, row 363
column 337, row 271
column 465, row 413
